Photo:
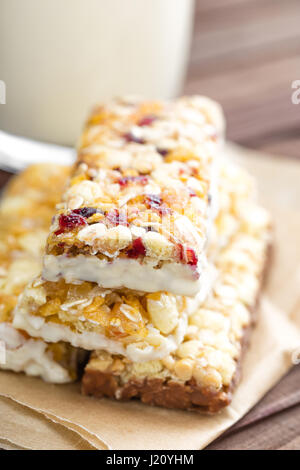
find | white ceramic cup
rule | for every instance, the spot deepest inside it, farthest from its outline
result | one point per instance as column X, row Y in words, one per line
column 59, row 57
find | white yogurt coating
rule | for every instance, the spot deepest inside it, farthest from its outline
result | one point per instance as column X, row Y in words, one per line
column 156, row 346
column 30, row 356
column 171, row 277
column 53, row 332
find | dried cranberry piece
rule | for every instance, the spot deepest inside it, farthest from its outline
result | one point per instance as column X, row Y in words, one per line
column 138, row 249
column 116, row 217
column 163, row 152
column 141, row 179
column 86, row 212
column 155, row 202
column 69, row 222
column 191, row 192
column 187, row 255
column 130, row 137
column 147, row 120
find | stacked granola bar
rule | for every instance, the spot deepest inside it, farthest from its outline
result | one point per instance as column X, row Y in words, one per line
column 155, row 256
column 202, row 372
column 128, row 242
column 140, row 203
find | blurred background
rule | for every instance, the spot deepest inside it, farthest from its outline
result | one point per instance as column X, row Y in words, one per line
column 59, row 57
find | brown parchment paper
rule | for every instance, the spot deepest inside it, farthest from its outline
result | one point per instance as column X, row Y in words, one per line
column 62, row 418
column 42, row 430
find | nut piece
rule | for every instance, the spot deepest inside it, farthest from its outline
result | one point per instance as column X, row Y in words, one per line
column 101, row 361
column 184, row 369
column 147, row 368
column 207, row 377
column 192, row 332
column 91, row 233
column 163, row 311
column 111, row 240
column 117, row 238
column 210, row 319
column 223, row 363
column 188, row 349
column 168, row 362
column 157, row 246
column 75, row 202
column 87, row 190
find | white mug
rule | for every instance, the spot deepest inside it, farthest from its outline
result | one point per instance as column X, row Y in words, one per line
column 59, row 57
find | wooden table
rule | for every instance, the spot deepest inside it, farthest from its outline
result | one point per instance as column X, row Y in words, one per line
column 246, row 54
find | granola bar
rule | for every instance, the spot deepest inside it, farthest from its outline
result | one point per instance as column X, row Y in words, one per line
column 26, row 210
column 141, row 199
column 55, row 363
column 202, row 373
column 25, row 216
column 138, row 325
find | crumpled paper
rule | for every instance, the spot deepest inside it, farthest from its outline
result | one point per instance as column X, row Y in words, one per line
column 36, row 415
